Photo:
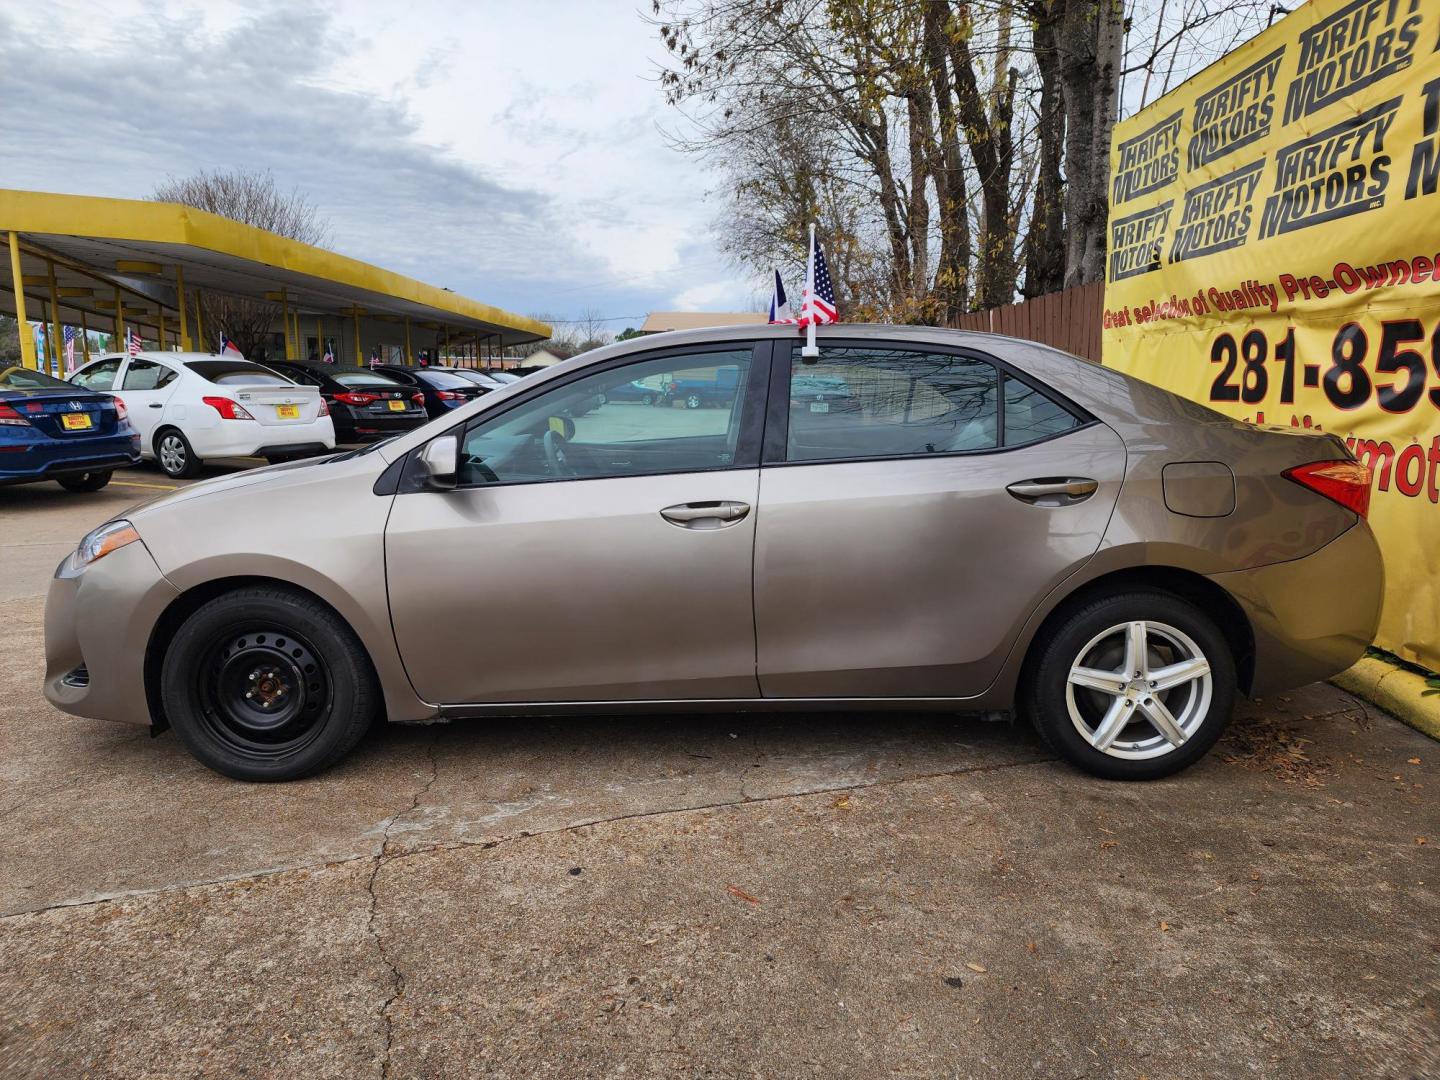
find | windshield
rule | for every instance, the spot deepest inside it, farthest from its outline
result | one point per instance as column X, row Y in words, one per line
column 443, row 380
column 236, row 372
column 363, row 378
column 19, row 378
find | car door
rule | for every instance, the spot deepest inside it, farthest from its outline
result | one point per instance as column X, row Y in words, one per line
column 146, row 387
column 912, row 523
column 588, row 552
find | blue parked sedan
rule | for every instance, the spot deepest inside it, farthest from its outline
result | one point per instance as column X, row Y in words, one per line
column 52, row 430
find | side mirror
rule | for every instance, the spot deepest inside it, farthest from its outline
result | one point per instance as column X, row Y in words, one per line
column 439, row 461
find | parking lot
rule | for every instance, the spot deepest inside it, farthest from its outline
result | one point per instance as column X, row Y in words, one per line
column 815, row 895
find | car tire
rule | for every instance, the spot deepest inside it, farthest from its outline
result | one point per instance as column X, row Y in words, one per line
column 268, row 684
column 1130, row 729
column 176, row 456
column 693, row 401
column 648, row 399
column 86, row 481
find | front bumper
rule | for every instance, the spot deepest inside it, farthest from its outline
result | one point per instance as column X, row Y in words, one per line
column 1314, row 616
column 100, row 620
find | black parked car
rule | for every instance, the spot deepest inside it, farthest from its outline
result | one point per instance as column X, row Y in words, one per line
column 443, row 390
column 475, row 375
column 365, row 405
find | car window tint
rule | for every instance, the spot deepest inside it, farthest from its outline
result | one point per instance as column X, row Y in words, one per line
column 884, row 402
column 364, row 378
column 599, row 426
column 99, row 376
column 1031, row 416
column 147, row 375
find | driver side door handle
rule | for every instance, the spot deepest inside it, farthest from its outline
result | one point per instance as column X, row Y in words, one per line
column 715, row 514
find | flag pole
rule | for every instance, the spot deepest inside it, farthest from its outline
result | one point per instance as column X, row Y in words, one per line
column 811, row 351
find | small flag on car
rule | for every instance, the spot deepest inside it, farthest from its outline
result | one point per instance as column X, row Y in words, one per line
column 229, row 348
column 329, row 352
column 133, row 343
column 817, row 302
column 69, row 349
column 779, row 305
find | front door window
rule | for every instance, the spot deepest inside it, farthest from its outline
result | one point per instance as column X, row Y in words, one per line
column 674, row 414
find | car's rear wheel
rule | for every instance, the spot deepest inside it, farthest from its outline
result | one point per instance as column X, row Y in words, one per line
column 176, row 457
column 267, row 684
column 86, row 481
column 647, row 399
column 1132, row 686
column 693, row 401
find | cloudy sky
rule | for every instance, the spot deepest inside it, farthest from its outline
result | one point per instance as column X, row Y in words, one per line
column 512, row 151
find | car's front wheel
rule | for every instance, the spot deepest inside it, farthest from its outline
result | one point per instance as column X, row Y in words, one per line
column 86, row 481
column 693, row 401
column 1132, row 686
column 267, row 684
column 176, row 457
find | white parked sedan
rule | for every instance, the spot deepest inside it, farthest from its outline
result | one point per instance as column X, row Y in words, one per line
column 192, row 406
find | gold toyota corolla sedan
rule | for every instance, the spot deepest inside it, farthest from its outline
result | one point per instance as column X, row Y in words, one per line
column 919, row 519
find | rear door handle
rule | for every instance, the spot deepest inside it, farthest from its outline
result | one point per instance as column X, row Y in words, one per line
column 705, row 515
column 1053, row 490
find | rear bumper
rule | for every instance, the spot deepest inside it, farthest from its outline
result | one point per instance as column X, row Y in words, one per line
column 43, row 461
column 365, row 427
column 1312, row 617
column 248, row 438
column 100, row 619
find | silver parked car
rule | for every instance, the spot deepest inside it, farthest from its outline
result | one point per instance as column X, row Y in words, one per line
column 986, row 524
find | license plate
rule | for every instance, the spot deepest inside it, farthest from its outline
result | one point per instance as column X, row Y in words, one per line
column 819, row 406
column 288, row 412
column 76, row 421
column 397, row 406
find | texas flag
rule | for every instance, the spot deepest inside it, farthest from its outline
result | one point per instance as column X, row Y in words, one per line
column 229, row 348
column 779, row 304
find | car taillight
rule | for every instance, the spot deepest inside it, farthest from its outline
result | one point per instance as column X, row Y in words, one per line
column 228, row 408
column 418, row 398
column 121, row 412
column 324, row 407
column 351, row 398
column 449, row 395
column 1344, row 482
column 9, row 416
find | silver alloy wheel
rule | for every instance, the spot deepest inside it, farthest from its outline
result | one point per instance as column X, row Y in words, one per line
column 1139, row 690
column 693, row 401
column 172, row 453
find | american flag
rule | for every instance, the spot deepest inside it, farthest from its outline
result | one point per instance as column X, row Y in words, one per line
column 69, row 348
column 329, row 352
column 134, row 345
column 817, row 304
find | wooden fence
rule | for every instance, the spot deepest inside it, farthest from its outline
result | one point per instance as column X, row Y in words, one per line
column 1068, row 320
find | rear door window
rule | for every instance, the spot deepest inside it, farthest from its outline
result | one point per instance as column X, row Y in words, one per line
column 147, row 375
column 881, row 401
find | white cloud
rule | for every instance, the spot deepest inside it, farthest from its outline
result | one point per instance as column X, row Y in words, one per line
column 511, row 152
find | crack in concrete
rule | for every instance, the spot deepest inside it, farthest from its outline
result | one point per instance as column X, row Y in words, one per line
column 382, row 854
column 397, row 977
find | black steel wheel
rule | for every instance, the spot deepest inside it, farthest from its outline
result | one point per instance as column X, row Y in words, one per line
column 268, row 684
column 86, row 481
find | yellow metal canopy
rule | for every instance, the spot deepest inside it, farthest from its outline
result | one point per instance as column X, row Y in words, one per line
column 79, row 255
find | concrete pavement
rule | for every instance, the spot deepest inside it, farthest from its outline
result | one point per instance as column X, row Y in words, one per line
column 705, row 896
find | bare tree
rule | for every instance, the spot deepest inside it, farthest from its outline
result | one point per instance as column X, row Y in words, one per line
column 252, row 199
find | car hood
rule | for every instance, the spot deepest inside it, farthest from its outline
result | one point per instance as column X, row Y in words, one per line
column 286, row 472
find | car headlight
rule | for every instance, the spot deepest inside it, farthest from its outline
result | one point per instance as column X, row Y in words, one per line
column 100, row 542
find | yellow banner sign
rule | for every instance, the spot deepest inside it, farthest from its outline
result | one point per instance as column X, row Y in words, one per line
column 1274, row 252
